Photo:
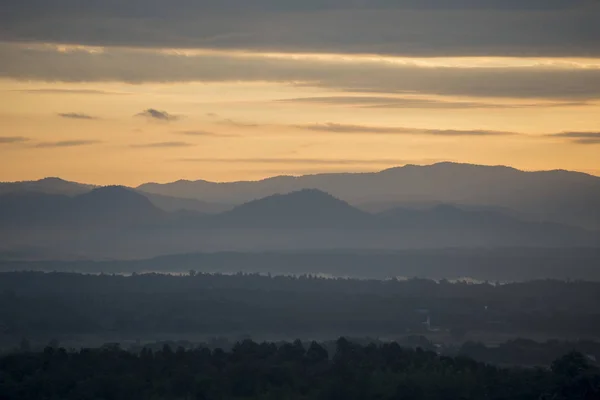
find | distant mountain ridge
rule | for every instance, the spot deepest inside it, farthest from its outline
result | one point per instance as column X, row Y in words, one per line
column 116, row 222
column 57, row 186
column 172, row 204
column 560, row 196
column 50, row 185
column 106, row 206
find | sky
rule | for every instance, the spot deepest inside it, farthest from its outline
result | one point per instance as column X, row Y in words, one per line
column 127, row 92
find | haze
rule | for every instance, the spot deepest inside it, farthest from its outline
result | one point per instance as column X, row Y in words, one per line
column 299, row 199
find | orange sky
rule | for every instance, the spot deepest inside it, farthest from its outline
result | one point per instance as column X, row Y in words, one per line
column 80, row 113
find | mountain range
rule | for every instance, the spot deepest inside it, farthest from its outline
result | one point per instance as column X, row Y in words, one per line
column 566, row 197
column 558, row 196
column 111, row 206
column 120, row 222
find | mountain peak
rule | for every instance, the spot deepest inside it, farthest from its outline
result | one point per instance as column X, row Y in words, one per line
column 48, row 185
column 309, row 194
column 108, row 199
column 113, row 189
column 299, row 199
column 302, row 208
column 53, row 179
column 113, row 194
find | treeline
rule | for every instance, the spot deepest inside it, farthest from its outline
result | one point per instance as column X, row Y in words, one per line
column 514, row 352
column 505, row 264
column 286, row 371
column 307, row 306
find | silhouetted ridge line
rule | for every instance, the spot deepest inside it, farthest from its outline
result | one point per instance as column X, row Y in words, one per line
column 304, row 208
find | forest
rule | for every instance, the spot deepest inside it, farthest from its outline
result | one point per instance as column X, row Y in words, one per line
column 266, row 370
column 41, row 306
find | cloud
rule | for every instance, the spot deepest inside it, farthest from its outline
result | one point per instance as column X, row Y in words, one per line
column 66, row 143
column 204, row 133
column 579, row 137
column 406, row 102
column 162, row 145
column 408, row 27
column 238, row 124
column 69, row 91
column 387, row 130
column 12, row 139
column 306, row 161
column 158, row 115
column 556, row 79
column 76, row 116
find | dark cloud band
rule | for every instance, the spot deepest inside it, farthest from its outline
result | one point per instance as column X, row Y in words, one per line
column 407, row 27
column 13, row 139
column 565, row 82
column 200, row 133
column 76, row 116
column 162, row 145
column 579, row 137
column 158, row 115
column 66, row 143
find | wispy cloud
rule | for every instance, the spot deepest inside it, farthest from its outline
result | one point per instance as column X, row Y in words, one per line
column 158, row 115
column 389, row 130
column 204, row 133
column 12, row 139
column 407, row 102
column 161, row 145
column 579, row 137
column 73, row 115
column 238, row 124
column 69, row 91
column 66, row 143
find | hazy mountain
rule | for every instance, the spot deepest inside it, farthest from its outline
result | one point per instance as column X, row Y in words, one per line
column 308, row 208
column 115, row 204
column 172, row 204
column 561, row 196
column 118, row 222
column 59, row 186
column 439, row 226
column 381, row 207
column 106, row 206
column 500, row 264
column 31, row 208
column 557, row 196
column 450, row 226
column 46, row 185
column 445, row 215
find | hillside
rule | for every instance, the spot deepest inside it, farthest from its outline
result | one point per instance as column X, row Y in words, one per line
column 559, row 196
column 107, row 206
column 306, row 208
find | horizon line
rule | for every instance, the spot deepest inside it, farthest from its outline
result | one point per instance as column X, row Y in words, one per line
column 375, row 171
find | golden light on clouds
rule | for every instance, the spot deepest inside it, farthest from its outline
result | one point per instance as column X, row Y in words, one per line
column 432, row 62
column 110, row 115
